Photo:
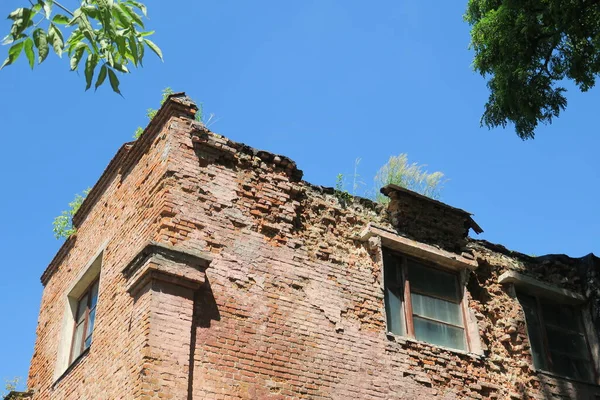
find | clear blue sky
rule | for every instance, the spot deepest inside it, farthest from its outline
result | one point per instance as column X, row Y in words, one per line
column 321, row 81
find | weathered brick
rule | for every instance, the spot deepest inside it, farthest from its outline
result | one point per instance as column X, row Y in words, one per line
column 291, row 306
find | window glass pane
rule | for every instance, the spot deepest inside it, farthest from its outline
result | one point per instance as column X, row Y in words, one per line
column 438, row 333
column 77, row 339
column 534, row 331
column 439, row 309
column 81, row 309
column 395, row 315
column 90, row 326
column 571, row 343
column 391, row 266
column 571, row 367
column 560, row 315
column 94, row 295
column 432, row 281
column 88, row 343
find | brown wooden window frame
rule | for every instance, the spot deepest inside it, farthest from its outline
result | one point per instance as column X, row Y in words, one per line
column 402, row 289
column 543, row 327
column 85, row 320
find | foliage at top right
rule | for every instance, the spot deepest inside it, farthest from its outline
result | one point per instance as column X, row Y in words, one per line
column 527, row 48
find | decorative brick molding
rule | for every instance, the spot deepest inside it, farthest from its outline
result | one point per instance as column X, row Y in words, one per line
column 163, row 262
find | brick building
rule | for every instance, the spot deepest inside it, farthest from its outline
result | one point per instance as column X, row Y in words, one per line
column 205, row 269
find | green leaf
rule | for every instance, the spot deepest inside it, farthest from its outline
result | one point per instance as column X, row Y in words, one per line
column 132, row 14
column 56, row 38
column 121, row 68
column 101, row 76
column 121, row 45
column 141, row 54
column 90, row 36
column 154, row 48
column 60, row 19
column 74, row 20
column 75, row 38
column 134, row 48
column 48, row 8
column 41, row 42
column 8, row 39
column 90, row 11
column 146, row 33
column 140, row 6
column 22, row 20
column 13, row 53
column 114, row 81
column 78, row 53
column 121, row 16
column 19, row 13
column 107, row 21
column 110, row 59
column 28, row 47
column 90, row 66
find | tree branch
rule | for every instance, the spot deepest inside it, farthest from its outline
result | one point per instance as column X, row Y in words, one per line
column 63, row 8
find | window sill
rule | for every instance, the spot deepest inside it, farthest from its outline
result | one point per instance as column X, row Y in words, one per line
column 71, row 366
column 404, row 340
column 565, row 378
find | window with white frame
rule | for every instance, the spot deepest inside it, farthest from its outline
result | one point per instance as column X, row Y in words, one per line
column 79, row 319
column 84, row 321
column 424, row 301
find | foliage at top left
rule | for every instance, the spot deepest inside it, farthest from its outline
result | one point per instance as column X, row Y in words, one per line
column 107, row 36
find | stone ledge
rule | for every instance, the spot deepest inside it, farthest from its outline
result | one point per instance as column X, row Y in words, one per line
column 540, row 288
column 159, row 261
column 416, row 249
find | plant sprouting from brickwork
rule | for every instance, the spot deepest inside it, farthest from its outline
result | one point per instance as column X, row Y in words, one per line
column 10, row 385
column 399, row 171
column 151, row 112
column 63, row 224
column 340, row 192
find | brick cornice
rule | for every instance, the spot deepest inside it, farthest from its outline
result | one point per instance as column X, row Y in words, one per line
column 159, row 261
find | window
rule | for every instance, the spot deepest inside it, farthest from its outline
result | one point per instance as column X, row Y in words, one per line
column 557, row 339
column 84, row 321
column 79, row 315
column 423, row 302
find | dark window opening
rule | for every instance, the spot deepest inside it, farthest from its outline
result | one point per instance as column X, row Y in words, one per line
column 557, row 338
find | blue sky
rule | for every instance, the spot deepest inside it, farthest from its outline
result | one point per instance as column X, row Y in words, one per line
column 321, row 81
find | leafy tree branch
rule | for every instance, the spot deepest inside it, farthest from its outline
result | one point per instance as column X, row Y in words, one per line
column 105, row 37
column 528, row 48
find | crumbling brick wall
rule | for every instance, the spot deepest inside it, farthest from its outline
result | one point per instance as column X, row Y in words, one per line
column 123, row 210
column 292, row 304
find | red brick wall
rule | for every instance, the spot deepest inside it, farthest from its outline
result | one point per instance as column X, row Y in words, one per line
column 292, row 306
column 125, row 215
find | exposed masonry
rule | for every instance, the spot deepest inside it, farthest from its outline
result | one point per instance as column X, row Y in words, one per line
column 227, row 276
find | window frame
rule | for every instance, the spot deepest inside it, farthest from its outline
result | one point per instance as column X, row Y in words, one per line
column 86, row 320
column 407, row 312
column 581, row 330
